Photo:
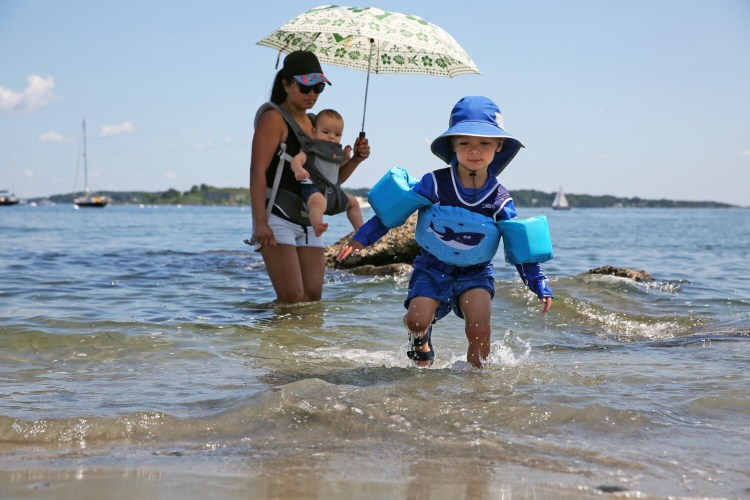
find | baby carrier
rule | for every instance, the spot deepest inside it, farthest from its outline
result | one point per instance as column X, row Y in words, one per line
column 323, row 161
column 289, row 202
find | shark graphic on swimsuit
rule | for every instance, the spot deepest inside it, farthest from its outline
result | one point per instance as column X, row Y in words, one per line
column 459, row 241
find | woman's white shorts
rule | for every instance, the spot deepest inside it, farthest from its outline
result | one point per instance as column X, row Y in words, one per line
column 289, row 233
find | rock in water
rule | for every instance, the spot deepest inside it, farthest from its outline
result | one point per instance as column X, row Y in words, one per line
column 634, row 274
column 397, row 247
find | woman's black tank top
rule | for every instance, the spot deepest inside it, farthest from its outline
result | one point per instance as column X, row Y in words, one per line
column 288, row 181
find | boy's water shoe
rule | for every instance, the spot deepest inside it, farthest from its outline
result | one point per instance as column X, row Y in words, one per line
column 417, row 355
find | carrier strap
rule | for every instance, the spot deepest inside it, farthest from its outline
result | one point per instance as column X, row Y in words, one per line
column 283, row 155
column 277, row 179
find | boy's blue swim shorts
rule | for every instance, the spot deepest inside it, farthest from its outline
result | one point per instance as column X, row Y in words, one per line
column 446, row 288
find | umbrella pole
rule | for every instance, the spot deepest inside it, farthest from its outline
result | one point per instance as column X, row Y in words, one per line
column 367, row 87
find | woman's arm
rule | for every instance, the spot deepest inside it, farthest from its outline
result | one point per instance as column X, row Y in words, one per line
column 361, row 153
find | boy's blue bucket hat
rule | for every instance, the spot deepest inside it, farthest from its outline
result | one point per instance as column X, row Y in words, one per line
column 477, row 116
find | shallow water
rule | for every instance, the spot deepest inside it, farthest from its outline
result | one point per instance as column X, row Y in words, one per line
column 139, row 351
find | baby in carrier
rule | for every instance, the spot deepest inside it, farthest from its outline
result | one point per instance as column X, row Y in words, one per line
column 321, row 192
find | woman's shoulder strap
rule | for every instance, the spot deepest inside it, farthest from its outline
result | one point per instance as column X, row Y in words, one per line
column 288, row 118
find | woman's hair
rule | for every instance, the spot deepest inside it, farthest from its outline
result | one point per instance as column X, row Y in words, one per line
column 278, row 93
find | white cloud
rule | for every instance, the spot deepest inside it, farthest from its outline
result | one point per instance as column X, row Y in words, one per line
column 113, row 130
column 209, row 144
column 39, row 92
column 745, row 152
column 28, row 173
column 51, row 137
column 171, row 175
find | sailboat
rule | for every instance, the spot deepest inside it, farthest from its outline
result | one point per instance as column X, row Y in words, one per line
column 560, row 202
column 88, row 200
column 7, row 199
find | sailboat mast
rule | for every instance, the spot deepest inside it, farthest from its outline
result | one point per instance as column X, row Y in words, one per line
column 85, row 161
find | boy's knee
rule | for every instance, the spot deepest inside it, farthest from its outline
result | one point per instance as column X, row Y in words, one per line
column 478, row 331
column 416, row 324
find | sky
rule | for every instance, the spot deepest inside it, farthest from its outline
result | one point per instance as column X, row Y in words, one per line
column 631, row 98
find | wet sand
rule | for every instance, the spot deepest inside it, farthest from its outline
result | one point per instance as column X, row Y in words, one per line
column 178, row 477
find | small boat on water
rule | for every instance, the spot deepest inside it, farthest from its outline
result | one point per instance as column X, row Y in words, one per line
column 560, row 202
column 363, row 203
column 7, row 199
column 89, row 199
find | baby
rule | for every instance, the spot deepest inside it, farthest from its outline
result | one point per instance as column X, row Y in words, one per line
column 324, row 157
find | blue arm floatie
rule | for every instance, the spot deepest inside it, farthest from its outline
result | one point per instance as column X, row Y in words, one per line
column 392, row 198
column 526, row 240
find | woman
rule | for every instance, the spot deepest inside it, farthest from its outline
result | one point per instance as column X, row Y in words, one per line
column 293, row 255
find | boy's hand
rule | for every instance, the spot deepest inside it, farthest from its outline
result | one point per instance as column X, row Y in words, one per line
column 547, row 304
column 353, row 246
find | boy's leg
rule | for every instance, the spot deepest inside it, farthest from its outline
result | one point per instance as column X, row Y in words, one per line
column 418, row 319
column 316, row 205
column 475, row 306
column 354, row 212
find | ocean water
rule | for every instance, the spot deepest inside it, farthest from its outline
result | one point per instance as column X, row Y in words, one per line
column 141, row 356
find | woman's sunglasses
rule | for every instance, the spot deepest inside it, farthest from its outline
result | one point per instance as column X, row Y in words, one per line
column 305, row 89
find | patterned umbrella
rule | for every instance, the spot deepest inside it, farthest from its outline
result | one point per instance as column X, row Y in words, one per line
column 372, row 40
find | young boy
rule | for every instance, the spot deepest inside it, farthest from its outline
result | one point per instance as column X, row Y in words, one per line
column 477, row 149
column 327, row 154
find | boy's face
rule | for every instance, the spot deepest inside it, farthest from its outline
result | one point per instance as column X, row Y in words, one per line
column 329, row 129
column 476, row 153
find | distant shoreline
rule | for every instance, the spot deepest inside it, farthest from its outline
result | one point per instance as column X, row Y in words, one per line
column 209, row 195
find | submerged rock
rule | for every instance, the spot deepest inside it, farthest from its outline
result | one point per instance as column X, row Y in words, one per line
column 634, row 274
column 386, row 270
column 393, row 253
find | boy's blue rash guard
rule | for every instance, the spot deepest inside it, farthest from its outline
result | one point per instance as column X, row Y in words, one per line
column 531, row 273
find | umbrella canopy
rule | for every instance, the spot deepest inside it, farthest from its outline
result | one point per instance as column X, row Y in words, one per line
column 373, row 40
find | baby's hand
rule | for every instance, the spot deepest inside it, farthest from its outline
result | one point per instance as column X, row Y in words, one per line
column 301, row 174
column 347, row 152
column 353, row 246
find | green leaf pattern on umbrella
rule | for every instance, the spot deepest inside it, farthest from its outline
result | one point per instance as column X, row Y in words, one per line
column 402, row 43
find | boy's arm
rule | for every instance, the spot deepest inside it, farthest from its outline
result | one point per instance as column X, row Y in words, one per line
column 532, row 274
column 425, row 187
column 370, row 232
column 374, row 229
column 534, row 278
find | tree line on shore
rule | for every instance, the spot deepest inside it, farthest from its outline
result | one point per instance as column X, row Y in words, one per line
column 209, row 195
